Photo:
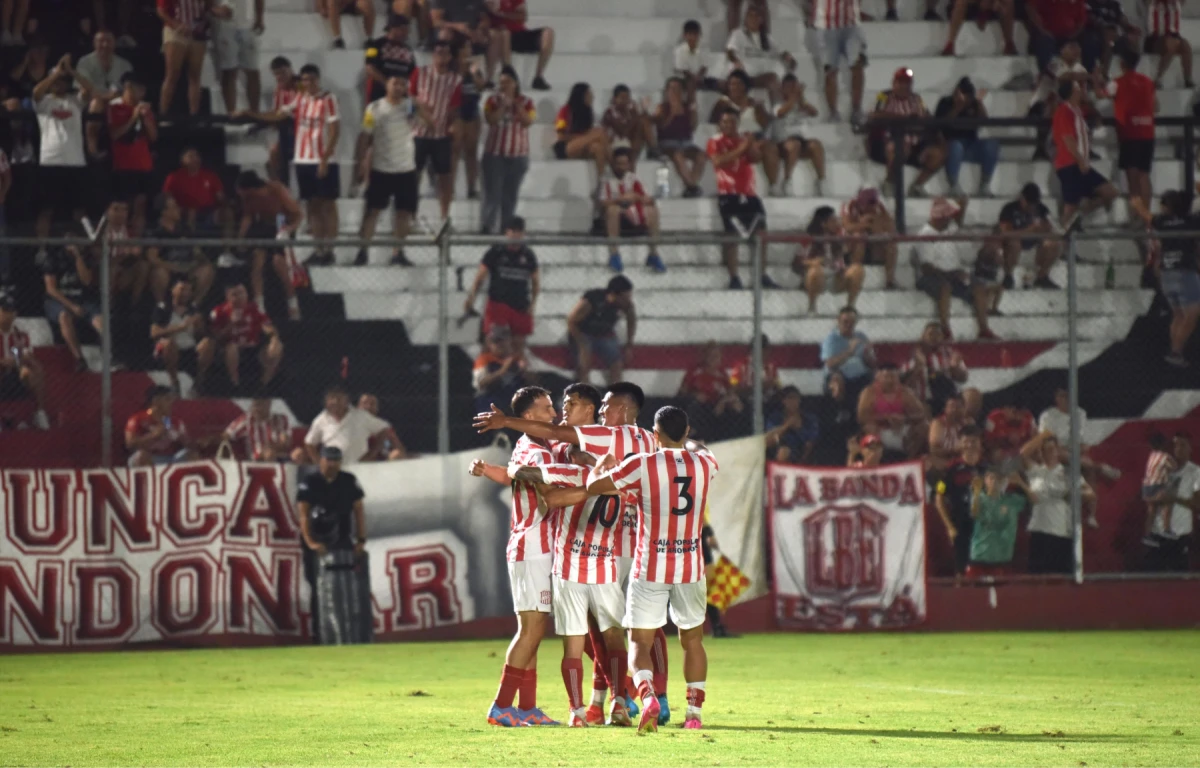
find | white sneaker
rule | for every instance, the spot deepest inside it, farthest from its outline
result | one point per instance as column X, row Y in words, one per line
column 785, row 189
column 41, row 420
column 819, row 188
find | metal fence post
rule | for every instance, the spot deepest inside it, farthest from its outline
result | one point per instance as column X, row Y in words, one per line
column 758, row 251
column 444, row 344
column 898, row 137
column 106, row 417
column 1073, row 403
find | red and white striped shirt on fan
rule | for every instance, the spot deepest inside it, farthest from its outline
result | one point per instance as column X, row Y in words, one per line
column 258, row 435
column 1159, row 467
column 531, row 528
column 615, row 189
column 286, row 97
column 508, row 137
column 313, row 115
column 1069, row 129
column 622, row 442
column 14, row 340
column 1162, row 17
column 834, row 14
column 737, row 177
column 938, row 362
column 442, row 93
column 672, row 488
column 585, row 535
column 889, row 103
column 192, row 14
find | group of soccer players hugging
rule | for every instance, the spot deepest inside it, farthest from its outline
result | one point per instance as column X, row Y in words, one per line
column 605, row 533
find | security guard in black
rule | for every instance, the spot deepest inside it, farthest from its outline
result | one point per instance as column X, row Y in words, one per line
column 330, row 505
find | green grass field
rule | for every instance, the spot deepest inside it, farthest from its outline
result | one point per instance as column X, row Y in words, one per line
column 1086, row 699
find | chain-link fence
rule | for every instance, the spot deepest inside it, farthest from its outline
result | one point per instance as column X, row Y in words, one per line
column 1058, row 362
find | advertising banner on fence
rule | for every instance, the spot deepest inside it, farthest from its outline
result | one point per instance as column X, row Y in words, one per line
column 848, row 546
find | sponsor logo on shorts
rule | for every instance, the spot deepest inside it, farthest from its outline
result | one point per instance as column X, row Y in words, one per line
column 545, row 597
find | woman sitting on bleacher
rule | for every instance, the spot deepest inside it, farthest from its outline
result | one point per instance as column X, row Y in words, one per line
column 749, row 50
column 579, row 137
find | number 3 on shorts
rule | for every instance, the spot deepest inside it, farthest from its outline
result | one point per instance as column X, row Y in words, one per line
column 685, row 485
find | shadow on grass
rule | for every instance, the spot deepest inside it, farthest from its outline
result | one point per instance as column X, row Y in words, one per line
column 907, row 734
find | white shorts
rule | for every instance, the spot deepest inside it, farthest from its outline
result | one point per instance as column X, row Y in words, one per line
column 646, row 604
column 573, row 601
column 530, row 584
column 624, row 568
column 234, row 47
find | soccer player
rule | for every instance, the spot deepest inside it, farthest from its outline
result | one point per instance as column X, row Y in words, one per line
column 621, row 437
column 671, row 485
column 529, row 564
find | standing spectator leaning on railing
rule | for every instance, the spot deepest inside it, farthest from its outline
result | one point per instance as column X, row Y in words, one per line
column 508, row 113
column 186, row 28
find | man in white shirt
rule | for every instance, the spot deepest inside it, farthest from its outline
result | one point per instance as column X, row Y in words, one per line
column 103, row 68
column 1171, row 550
column 690, row 62
column 350, row 429
column 1057, row 420
column 235, row 47
column 944, row 271
column 62, row 177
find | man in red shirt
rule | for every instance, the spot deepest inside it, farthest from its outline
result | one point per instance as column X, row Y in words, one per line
column 1134, row 105
column 240, row 327
column 1083, row 188
column 1054, row 22
column 709, row 393
column 132, row 127
column 198, row 191
column 508, row 20
column 153, row 436
column 742, row 378
column 733, row 158
column 1006, row 429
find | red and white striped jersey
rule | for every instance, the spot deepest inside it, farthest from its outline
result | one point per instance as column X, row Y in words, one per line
column 258, row 435
column 313, row 115
column 585, row 535
column 192, row 14
column 286, row 97
column 1162, row 17
column 937, row 363
column 891, row 103
column 508, row 137
column 442, row 93
column 531, row 529
column 672, row 488
column 1159, row 467
column 13, row 340
column 834, row 14
column 615, row 188
column 621, row 442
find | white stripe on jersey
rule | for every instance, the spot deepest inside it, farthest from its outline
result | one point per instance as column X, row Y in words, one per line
column 312, row 113
column 834, row 14
column 531, row 526
column 436, row 91
column 621, row 442
column 672, row 486
column 584, row 535
column 258, row 434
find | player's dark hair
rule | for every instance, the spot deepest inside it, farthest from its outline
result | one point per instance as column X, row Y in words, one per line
column 337, row 389
column 1065, row 89
column 676, row 79
column 788, row 391
column 157, row 390
column 1129, row 56
column 524, row 399
column 249, row 180
column 622, row 152
column 740, row 74
column 691, row 25
column 789, row 78
column 586, row 392
column 726, row 110
column 621, row 88
column 1032, row 193
column 310, row 69
column 970, row 430
column 508, row 71
column 619, row 284
column 630, row 390
column 582, row 116
column 847, row 310
column 816, row 225
column 516, row 224
column 672, row 422
column 1157, row 441
column 279, row 62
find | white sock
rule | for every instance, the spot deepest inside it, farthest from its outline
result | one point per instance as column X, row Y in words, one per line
column 581, row 713
column 598, row 697
column 644, row 676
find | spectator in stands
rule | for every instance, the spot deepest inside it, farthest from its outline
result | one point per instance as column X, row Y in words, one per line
column 235, row 48
column 1029, row 217
column 1057, row 420
column 389, row 56
column 33, row 66
column 466, row 138
column 199, row 194
column 71, row 277
column 1083, row 188
column 994, row 512
column 339, row 426
column 20, row 372
column 628, row 124
column 1065, row 67
column 1134, row 105
column 925, row 153
column 889, row 409
column 62, row 176
column 690, row 66
column 754, row 119
column 733, row 156
column 177, row 330
column 318, row 128
column 838, row 38
column 1006, row 429
column 514, row 284
column 982, row 11
column 964, row 144
column 185, row 30
column 386, row 445
column 287, row 90
column 508, row 21
column 262, row 203
column 1051, row 527
column 154, row 436
column 837, row 416
column 943, row 270
column 13, row 19
column 864, row 450
column 263, row 436
column 1163, row 38
column 179, row 261
column 848, row 352
column 1111, row 27
column 675, row 123
column 792, row 432
column 1178, row 259
column 466, row 22
column 499, row 372
column 823, row 264
column 130, row 268
column 418, row 10
column 954, row 491
column 1171, row 537
column 709, row 397
column 931, row 13
column 103, row 68
column 439, row 87
column 244, row 335
column 865, row 214
column 749, row 50
column 935, row 371
column 733, row 13
column 132, row 128
column 788, row 120
column 333, row 11
column 591, row 329
column 1055, row 22
column 945, row 433
column 579, row 137
column 742, row 377
column 385, row 158
column 508, row 113
column 628, row 212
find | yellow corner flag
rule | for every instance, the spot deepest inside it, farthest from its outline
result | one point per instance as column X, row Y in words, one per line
column 725, row 583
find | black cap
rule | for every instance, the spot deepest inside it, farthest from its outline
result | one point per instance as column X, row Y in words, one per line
column 331, row 453
column 966, row 86
column 397, row 20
